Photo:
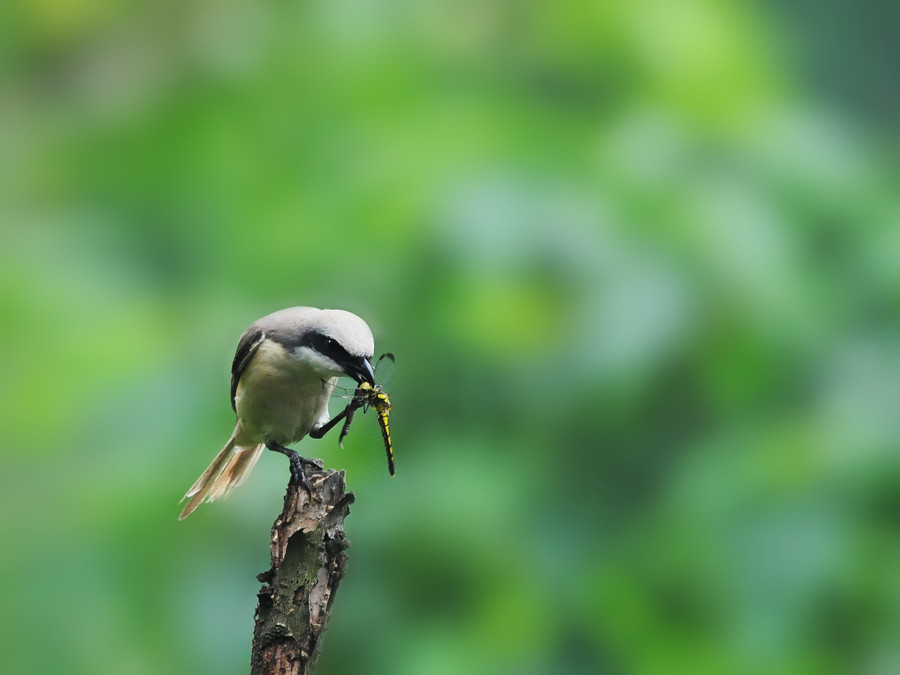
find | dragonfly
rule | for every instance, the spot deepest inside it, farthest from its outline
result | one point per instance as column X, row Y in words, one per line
column 373, row 396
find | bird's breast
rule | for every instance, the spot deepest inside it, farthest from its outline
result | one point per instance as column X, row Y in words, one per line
column 278, row 399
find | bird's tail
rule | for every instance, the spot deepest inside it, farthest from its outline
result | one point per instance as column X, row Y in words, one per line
column 229, row 469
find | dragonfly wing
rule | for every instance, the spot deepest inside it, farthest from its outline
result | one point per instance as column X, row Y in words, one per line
column 384, row 370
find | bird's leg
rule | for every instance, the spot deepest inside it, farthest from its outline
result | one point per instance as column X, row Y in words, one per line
column 298, row 474
column 355, row 403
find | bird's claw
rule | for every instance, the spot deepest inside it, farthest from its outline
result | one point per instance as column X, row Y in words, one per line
column 298, row 474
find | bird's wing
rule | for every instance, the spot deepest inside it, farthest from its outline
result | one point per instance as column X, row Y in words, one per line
column 250, row 342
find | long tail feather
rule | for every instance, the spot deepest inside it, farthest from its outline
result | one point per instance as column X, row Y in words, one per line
column 229, row 469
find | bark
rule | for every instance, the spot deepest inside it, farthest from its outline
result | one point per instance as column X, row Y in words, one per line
column 308, row 561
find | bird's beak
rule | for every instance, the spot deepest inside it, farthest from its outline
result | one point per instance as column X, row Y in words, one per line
column 361, row 371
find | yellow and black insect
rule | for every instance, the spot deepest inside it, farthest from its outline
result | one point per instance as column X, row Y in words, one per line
column 374, row 396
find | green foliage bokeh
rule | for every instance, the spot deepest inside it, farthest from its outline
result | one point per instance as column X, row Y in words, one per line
column 639, row 266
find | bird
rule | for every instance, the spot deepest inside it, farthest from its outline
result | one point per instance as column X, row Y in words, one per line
column 284, row 371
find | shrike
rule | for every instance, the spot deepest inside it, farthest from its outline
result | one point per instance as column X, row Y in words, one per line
column 284, row 371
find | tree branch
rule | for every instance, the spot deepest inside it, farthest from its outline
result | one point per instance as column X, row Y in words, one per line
column 308, row 562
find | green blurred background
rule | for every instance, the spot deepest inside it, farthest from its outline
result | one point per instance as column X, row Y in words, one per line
column 639, row 265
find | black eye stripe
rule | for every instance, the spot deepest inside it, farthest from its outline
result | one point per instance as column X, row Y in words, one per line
column 326, row 346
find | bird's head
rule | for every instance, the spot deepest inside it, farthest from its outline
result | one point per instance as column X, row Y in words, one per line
column 332, row 342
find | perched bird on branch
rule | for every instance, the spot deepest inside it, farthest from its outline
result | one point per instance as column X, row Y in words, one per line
column 284, row 371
